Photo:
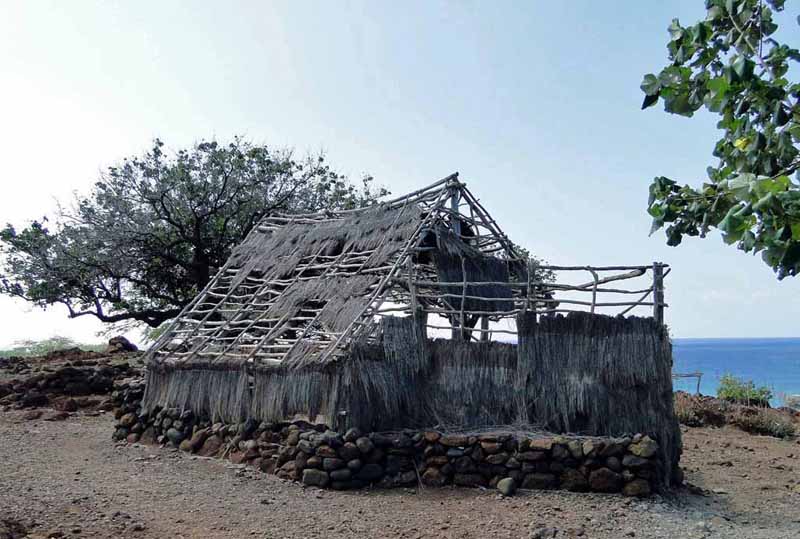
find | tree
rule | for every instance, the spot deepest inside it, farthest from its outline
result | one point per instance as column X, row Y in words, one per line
column 731, row 64
column 155, row 228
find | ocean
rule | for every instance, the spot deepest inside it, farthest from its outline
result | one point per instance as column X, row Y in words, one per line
column 774, row 363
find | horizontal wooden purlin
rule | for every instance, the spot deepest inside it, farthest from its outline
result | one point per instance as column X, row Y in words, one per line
column 543, row 285
column 229, row 296
column 430, row 192
column 301, row 221
column 505, row 331
column 500, row 314
column 570, row 288
column 597, row 268
column 218, row 323
column 199, row 332
column 436, row 284
column 349, row 264
column 255, row 316
column 214, row 331
column 256, row 307
column 537, row 299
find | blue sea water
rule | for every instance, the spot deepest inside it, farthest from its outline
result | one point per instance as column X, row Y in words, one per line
column 774, row 363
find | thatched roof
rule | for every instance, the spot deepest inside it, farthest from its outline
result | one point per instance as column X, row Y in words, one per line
column 300, row 289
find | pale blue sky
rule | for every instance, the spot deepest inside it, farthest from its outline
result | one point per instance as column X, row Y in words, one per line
column 535, row 103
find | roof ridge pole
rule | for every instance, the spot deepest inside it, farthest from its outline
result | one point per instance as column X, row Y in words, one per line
column 408, row 196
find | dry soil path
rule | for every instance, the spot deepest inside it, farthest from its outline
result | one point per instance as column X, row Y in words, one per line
column 69, row 478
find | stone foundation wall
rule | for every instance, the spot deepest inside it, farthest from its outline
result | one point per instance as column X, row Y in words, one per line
column 317, row 456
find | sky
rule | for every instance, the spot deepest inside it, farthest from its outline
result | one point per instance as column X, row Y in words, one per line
column 536, row 104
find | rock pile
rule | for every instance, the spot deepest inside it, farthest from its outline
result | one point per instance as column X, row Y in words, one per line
column 317, row 456
column 52, row 385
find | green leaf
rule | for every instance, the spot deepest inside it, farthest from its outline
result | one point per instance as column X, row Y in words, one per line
column 772, row 185
column 763, row 202
column 743, row 67
column 748, row 241
column 739, row 64
column 675, row 30
column 673, row 76
column 732, row 225
column 649, row 101
column 714, row 13
column 650, row 85
column 781, row 116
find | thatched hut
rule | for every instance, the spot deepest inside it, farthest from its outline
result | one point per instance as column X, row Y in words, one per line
column 406, row 314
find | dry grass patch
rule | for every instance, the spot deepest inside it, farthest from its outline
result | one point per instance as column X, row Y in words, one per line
column 703, row 411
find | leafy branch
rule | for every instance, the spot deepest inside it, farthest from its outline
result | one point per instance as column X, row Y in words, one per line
column 750, row 195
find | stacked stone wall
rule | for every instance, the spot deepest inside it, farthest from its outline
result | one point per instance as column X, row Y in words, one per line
column 318, row 456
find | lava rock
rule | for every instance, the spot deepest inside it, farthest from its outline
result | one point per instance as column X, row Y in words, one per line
column 574, row 481
column 365, row 445
column 507, row 486
column 637, row 487
column 316, row 478
column 605, row 480
column 539, row 481
column 370, row 473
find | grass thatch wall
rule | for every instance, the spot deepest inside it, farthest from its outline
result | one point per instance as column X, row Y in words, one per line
column 471, row 384
column 220, row 394
column 598, row 375
column 583, row 373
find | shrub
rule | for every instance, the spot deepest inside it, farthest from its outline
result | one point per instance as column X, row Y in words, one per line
column 699, row 411
column 704, row 411
column 738, row 391
column 764, row 421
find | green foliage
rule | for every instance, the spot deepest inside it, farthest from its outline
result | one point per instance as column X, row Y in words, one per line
column 156, row 227
column 538, row 273
column 28, row 348
column 731, row 65
column 733, row 389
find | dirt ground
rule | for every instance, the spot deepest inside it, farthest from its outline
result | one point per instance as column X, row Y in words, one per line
column 67, row 479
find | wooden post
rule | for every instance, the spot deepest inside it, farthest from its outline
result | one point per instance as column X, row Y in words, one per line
column 459, row 325
column 455, row 198
column 485, row 328
column 594, row 288
column 658, row 292
column 411, row 288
